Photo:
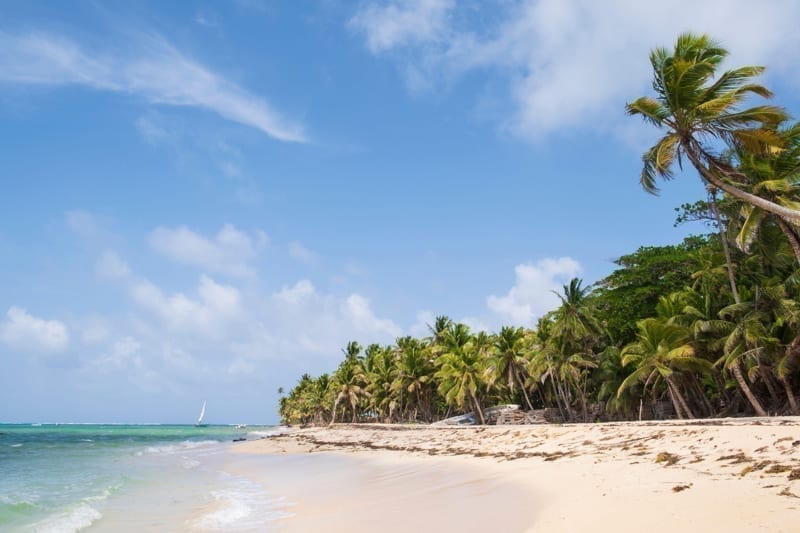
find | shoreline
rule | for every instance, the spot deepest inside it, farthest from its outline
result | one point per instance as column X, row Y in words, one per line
column 721, row 474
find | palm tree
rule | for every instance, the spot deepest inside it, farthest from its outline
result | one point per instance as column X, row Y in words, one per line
column 380, row 372
column 574, row 322
column 696, row 110
column 414, row 373
column 509, row 360
column 318, row 395
column 461, row 369
column 440, row 326
column 661, row 350
column 349, row 383
column 544, row 365
column 575, row 332
column 775, row 175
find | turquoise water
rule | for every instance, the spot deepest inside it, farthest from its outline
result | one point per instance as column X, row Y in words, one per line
column 71, row 477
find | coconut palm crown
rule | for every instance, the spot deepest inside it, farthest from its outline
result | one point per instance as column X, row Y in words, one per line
column 697, row 110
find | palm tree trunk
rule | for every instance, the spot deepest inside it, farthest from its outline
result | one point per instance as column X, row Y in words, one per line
column 675, row 404
column 333, row 413
column 680, row 398
column 698, row 388
column 558, row 398
column 721, row 386
column 787, row 386
column 792, row 236
column 766, row 376
column 478, row 408
column 737, row 373
column 565, row 400
column 693, row 151
column 791, row 354
column 524, row 392
column 725, row 248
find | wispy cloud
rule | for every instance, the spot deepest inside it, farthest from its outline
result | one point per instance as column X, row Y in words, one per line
column 110, row 266
column 301, row 253
column 229, row 252
column 401, row 23
column 156, row 71
column 568, row 63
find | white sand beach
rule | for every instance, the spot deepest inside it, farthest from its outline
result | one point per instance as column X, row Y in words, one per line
column 705, row 475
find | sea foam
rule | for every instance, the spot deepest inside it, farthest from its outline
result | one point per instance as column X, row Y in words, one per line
column 280, row 430
column 244, row 505
column 180, row 447
column 80, row 517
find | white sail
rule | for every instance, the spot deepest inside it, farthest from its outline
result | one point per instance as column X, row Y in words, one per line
column 202, row 414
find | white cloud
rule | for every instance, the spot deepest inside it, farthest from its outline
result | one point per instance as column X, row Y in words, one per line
column 153, row 131
column 574, row 63
column 297, row 295
column 475, row 325
column 420, row 328
column 124, row 354
column 179, row 358
column 357, row 310
column 128, row 357
column 532, row 296
column 229, row 252
column 401, row 23
column 23, row 331
column 111, row 266
column 214, row 308
column 157, row 72
column 301, row 253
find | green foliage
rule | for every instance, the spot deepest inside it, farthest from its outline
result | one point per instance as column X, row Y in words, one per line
column 631, row 292
column 710, row 325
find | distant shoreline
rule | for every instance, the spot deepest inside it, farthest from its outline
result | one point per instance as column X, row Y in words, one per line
column 729, row 474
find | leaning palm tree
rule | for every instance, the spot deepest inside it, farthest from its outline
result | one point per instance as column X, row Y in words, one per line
column 661, row 350
column 697, row 111
column 775, row 175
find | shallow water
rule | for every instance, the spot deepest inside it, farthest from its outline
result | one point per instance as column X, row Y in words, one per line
column 127, row 478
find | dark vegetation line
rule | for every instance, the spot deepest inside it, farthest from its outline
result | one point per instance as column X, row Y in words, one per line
column 708, row 327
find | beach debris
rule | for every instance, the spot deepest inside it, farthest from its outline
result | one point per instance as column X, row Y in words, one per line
column 681, row 488
column 736, row 458
column 761, row 465
column 778, row 469
column 667, row 458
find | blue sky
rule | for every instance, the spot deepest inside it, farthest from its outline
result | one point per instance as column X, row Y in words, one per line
column 201, row 201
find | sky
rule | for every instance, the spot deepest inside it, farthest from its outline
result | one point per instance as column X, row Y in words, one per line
column 202, row 201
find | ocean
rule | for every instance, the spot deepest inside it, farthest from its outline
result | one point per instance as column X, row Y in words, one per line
column 108, row 477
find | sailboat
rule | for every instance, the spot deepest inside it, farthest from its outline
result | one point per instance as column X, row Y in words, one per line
column 200, row 418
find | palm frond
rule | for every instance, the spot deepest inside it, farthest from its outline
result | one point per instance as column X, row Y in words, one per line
column 752, row 222
column 649, row 109
column 731, row 80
